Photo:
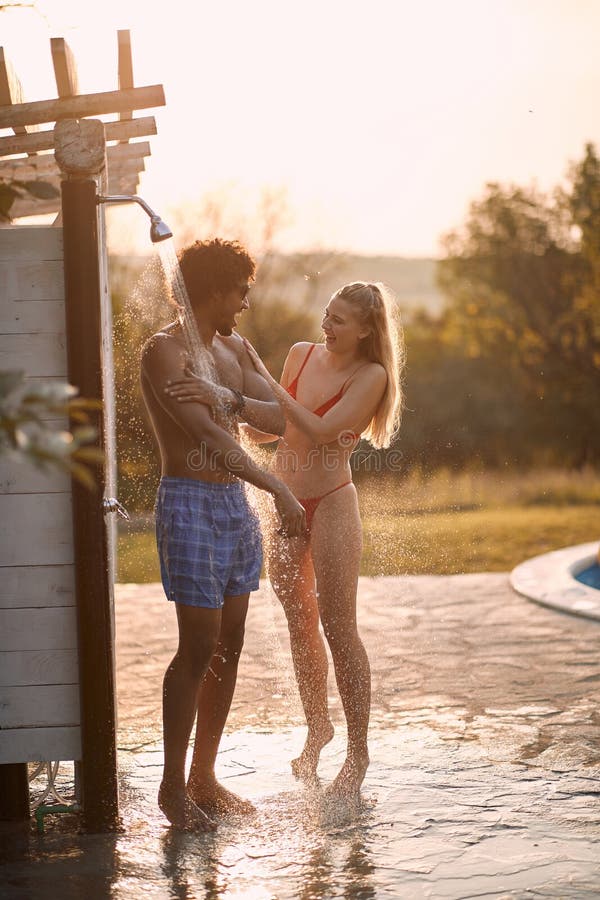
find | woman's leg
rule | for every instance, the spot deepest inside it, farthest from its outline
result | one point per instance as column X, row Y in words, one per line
column 291, row 573
column 336, row 544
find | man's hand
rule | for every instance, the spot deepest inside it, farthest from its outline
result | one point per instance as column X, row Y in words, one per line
column 291, row 513
column 192, row 388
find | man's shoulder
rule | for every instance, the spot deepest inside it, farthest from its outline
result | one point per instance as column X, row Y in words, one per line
column 164, row 344
column 233, row 341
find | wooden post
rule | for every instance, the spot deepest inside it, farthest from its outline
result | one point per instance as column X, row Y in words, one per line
column 14, row 793
column 83, row 297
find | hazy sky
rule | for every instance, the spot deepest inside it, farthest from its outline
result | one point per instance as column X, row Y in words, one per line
column 381, row 120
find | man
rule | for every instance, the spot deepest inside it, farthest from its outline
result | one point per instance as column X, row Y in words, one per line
column 208, row 537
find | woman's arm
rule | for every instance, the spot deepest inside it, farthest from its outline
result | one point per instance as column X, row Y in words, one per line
column 357, row 405
column 255, row 404
column 256, row 436
column 161, row 361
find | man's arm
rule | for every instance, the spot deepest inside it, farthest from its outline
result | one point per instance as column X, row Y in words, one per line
column 161, row 362
column 255, row 404
column 261, row 408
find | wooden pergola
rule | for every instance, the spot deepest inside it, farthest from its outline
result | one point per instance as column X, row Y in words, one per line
column 69, row 588
column 24, row 155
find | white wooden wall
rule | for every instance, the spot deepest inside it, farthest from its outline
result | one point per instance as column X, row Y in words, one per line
column 39, row 692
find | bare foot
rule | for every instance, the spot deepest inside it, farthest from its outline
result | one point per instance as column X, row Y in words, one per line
column 181, row 811
column 305, row 765
column 347, row 782
column 216, row 799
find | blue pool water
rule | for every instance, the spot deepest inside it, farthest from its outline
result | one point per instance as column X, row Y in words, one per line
column 590, row 576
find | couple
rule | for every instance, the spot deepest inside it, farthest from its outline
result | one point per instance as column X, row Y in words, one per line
column 209, row 539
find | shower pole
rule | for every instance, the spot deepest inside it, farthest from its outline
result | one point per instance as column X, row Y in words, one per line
column 80, row 152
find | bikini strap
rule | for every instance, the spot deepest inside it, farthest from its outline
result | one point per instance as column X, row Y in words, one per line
column 350, row 377
column 305, row 360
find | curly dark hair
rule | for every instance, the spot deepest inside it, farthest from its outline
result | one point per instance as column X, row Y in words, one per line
column 214, row 267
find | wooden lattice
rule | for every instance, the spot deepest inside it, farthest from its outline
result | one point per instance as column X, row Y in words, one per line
column 24, row 155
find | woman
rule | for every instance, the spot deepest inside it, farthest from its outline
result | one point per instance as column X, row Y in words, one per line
column 331, row 394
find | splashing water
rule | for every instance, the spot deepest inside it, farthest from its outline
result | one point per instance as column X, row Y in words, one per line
column 201, row 360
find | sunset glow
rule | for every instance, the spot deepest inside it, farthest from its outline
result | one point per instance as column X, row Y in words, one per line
column 380, row 122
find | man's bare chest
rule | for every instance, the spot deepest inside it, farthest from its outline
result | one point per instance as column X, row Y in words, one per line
column 227, row 366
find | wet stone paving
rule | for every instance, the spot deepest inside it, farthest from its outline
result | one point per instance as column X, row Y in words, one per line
column 484, row 777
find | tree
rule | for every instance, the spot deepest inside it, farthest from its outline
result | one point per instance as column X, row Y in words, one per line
column 522, row 278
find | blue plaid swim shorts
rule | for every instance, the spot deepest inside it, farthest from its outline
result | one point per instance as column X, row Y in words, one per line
column 209, row 541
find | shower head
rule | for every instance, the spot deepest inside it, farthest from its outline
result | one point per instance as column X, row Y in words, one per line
column 159, row 230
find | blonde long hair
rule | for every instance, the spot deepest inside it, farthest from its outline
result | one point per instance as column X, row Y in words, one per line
column 376, row 308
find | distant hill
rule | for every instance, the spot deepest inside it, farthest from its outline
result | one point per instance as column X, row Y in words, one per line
column 309, row 279
column 312, row 278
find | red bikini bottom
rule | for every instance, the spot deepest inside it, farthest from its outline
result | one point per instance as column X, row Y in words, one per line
column 310, row 503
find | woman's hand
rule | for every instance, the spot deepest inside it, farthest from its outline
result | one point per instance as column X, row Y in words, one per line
column 258, row 363
column 192, row 388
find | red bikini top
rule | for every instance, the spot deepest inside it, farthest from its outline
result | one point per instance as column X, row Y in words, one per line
column 292, row 388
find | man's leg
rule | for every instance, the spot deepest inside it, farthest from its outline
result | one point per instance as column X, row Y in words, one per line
column 199, row 629
column 214, row 701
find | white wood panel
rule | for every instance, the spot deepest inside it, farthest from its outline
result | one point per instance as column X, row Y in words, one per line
column 32, row 317
column 37, row 354
column 18, row 667
column 17, row 477
column 26, row 280
column 35, row 529
column 43, row 280
column 38, row 628
column 31, row 242
column 29, row 586
column 39, row 696
column 40, row 705
column 40, row 744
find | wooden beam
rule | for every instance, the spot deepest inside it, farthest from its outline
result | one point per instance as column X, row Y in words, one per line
column 81, row 106
column 127, row 184
column 22, row 209
column 127, row 167
column 28, row 168
column 44, row 140
column 11, row 90
column 121, row 183
column 65, row 68
column 50, row 172
column 128, row 151
column 125, row 66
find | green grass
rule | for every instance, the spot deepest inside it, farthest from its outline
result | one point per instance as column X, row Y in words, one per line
column 446, row 523
column 481, row 540
column 137, row 560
